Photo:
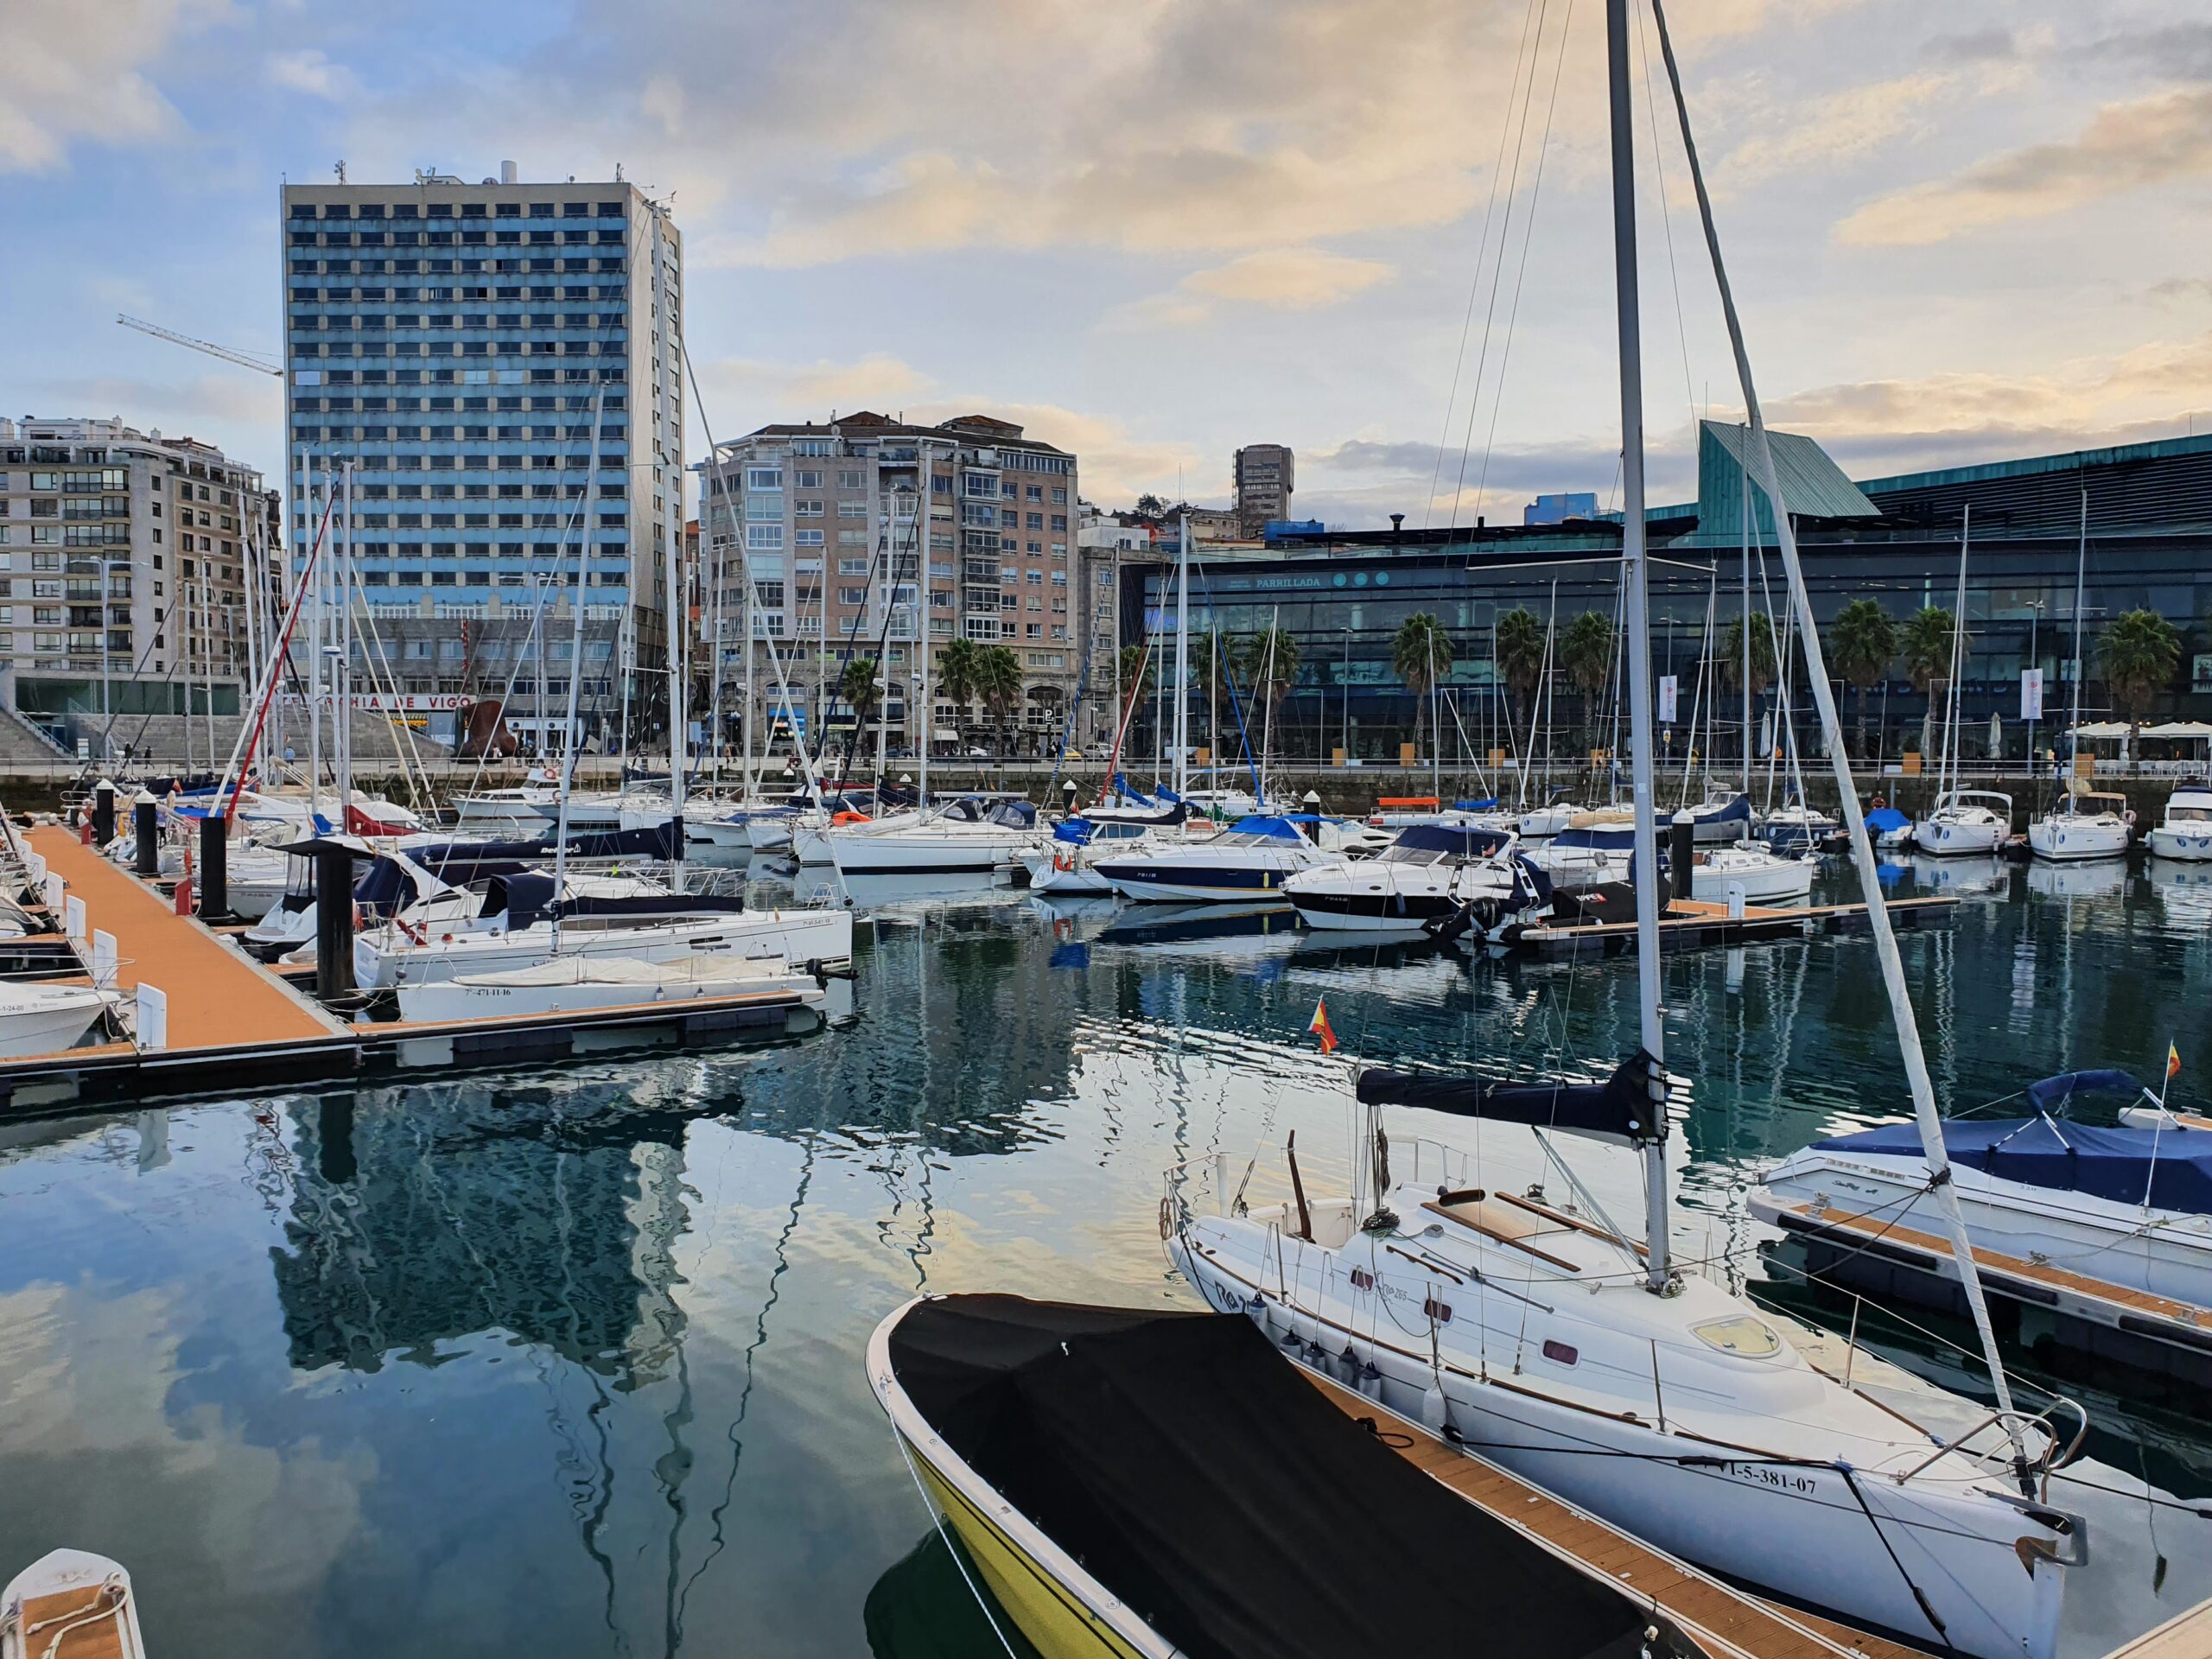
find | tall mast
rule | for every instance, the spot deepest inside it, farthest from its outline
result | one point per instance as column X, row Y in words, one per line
column 575, row 674
column 341, row 720
column 1635, row 579
column 745, row 622
column 1954, row 700
column 2081, row 568
column 315, row 661
column 921, row 723
column 1745, row 613
column 1862, row 847
column 679, row 696
column 1182, row 769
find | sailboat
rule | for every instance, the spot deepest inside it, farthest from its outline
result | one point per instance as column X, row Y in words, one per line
column 1963, row 823
column 2088, row 822
column 1543, row 1336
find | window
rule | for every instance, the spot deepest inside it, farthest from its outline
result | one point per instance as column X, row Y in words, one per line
column 852, row 509
column 806, row 478
column 980, row 486
column 768, row 537
column 806, row 538
column 764, row 478
column 852, row 478
column 852, row 566
column 768, row 594
column 852, row 595
column 807, row 507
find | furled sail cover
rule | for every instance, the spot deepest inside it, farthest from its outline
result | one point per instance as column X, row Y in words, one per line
column 2170, row 1169
column 1195, row 1473
column 1619, row 1108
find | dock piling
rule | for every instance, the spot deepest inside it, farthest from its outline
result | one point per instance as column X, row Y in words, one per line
column 1681, row 857
column 334, row 921
column 146, row 828
column 103, row 812
column 214, row 869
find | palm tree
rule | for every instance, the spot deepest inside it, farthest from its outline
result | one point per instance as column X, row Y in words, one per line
column 955, row 676
column 1517, row 644
column 1731, row 653
column 856, row 685
column 1861, row 643
column 1268, row 664
column 1586, row 652
column 2136, row 655
column 1929, row 637
column 998, row 681
column 1208, row 681
column 1420, row 656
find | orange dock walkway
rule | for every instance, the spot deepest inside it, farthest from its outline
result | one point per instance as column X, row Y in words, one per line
column 217, row 997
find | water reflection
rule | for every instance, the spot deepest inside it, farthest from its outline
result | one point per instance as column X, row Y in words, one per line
column 2099, row 878
column 923, row 1608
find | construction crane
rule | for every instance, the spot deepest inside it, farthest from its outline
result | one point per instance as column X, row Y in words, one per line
column 244, row 359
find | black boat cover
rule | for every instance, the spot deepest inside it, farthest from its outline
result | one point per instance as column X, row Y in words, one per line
column 1197, row 1475
column 2169, row 1169
column 1619, row 1108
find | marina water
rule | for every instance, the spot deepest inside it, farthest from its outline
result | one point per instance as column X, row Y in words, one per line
column 568, row 1361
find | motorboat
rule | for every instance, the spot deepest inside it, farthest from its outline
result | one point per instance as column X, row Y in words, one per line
column 522, row 813
column 1724, row 816
column 1526, row 1329
column 1146, row 1483
column 255, row 880
column 1965, row 823
column 1433, row 874
column 517, row 920
column 1595, row 847
column 1796, row 827
column 970, row 836
column 1066, row 864
column 572, row 984
column 1890, row 829
column 2185, row 832
column 46, row 1018
column 1547, row 821
column 2090, row 823
column 1250, row 859
column 70, row 1604
column 2128, row 1205
column 1763, row 876
column 709, row 825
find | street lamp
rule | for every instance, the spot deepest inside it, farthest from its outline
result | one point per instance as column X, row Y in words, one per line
column 1344, row 737
column 2035, row 661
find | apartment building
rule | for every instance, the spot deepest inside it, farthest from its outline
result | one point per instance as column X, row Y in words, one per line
column 463, row 353
column 1266, row 474
column 836, row 523
column 129, row 561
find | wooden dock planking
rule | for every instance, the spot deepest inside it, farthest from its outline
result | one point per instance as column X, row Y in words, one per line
column 1696, row 923
column 101, row 1635
column 218, row 998
column 2187, row 1634
column 2014, row 1267
column 1723, row 1620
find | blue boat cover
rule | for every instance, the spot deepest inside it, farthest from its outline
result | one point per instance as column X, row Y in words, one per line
column 1076, row 832
column 1460, row 840
column 1598, row 838
column 1884, row 819
column 1738, row 809
column 1475, row 806
column 2052, row 1094
column 1260, row 823
column 2174, row 1166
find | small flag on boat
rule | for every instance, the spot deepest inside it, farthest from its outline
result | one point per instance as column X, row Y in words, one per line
column 1321, row 1029
column 2173, row 1060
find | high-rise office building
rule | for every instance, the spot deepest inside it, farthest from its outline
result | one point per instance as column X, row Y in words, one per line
column 129, row 558
column 467, row 349
column 1265, row 478
column 830, row 520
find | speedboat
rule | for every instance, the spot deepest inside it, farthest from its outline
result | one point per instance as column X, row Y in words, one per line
column 1145, row 1482
column 1965, row 823
column 523, row 813
column 1431, row 876
column 1594, row 846
column 2129, row 1205
column 1547, row 821
column 2185, row 832
column 46, row 1018
column 1066, row 864
column 970, row 836
column 572, row 984
column 1251, row 859
column 2079, row 830
column 1764, row 876
column 1526, row 1329
column 70, row 1604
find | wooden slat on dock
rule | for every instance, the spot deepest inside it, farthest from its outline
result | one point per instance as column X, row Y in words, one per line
column 2187, row 1634
column 217, row 998
column 1996, row 1262
column 85, row 1621
column 1723, row 1620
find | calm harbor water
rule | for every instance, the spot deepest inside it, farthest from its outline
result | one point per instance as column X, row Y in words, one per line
column 568, row 1361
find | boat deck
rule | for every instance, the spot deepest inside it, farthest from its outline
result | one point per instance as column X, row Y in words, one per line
column 217, row 997
column 1724, row 1621
column 99, row 1636
column 1697, row 924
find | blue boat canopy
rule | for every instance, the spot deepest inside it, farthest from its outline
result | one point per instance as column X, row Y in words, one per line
column 2173, row 1166
column 1882, row 819
column 1459, row 840
column 1261, row 823
column 2053, row 1094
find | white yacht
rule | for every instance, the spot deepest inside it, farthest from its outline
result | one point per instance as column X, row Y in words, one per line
column 1066, row 864
column 969, row 837
column 1724, row 816
column 1251, row 859
column 1432, row 875
column 570, row 984
column 1766, row 876
column 2185, row 832
column 524, row 813
column 46, row 1018
column 1595, row 847
column 2090, row 823
column 1965, row 823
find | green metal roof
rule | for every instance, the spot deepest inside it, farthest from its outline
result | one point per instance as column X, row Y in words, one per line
column 1813, row 486
column 2072, row 461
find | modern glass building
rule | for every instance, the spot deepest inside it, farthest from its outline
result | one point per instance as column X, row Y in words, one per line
column 1342, row 598
column 450, row 343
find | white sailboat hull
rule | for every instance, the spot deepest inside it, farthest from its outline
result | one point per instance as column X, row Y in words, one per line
column 386, row 960
column 2190, row 846
column 1943, row 839
column 45, row 1019
column 2064, row 836
column 511, row 996
column 927, row 850
column 1763, row 882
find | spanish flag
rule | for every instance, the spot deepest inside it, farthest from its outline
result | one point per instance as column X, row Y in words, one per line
column 2173, row 1060
column 1320, row 1026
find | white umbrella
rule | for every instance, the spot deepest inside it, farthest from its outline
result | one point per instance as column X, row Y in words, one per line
column 2101, row 729
column 2179, row 729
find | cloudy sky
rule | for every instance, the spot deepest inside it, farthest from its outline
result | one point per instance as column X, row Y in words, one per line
column 1152, row 230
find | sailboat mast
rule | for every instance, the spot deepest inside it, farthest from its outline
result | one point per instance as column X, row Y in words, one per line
column 1182, row 769
column 2081, row 569
column 921, row 619
column 1956, row 700
column 1635, row 580
column 1745, row 612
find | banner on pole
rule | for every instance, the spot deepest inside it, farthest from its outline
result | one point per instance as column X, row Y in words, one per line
column 1668, row 697
column 2032, row 694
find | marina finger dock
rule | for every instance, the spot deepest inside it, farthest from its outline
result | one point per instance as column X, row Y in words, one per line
column 1698, row 924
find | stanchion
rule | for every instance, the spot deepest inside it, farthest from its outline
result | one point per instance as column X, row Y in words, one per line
column 1681, row 855
column 214, row 869
column 146, row 830
column 334, row 921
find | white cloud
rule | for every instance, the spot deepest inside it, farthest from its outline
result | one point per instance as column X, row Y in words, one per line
column 309, row 71
column 1289, row 279
column 75, row 70
column 746, row 392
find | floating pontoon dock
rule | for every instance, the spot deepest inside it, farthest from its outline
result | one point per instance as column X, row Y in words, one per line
column 1697, row 924
column 2114, row 1322
column 1727, row 1622
column 205, row 1018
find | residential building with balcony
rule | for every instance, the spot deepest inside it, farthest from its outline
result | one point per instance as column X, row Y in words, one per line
column 458, row 355
column 854, row 530
column 130, row 559
column 1266, row 474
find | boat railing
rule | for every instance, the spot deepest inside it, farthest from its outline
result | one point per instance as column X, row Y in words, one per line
column 2057, row 1451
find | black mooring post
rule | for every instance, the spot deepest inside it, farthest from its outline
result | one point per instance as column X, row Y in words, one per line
column 103, row 813
column 146, row 830
column 1682, row 835
column 334, row 921
column 214, row 869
